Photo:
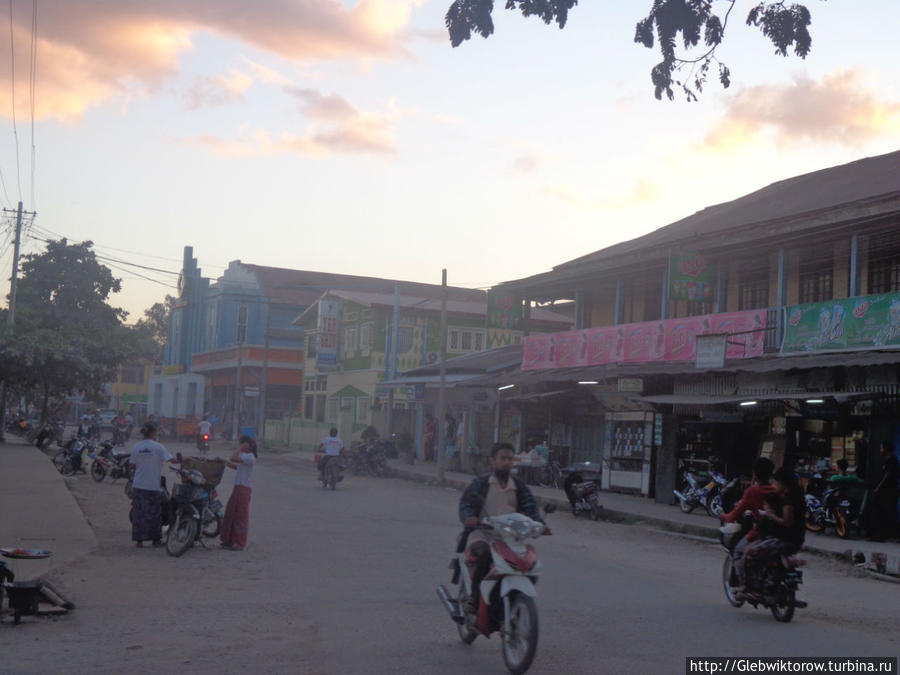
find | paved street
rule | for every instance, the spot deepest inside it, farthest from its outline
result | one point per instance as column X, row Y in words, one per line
column 343, row 582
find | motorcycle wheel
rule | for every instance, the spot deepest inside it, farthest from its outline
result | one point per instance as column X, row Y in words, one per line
column 714, row 507
column 68, row 468
column 98, row 473
column 466, row 633
column 685, row 506
column 181, row 535
column 212, row 524
column 811, row 524
column 783, row 609
column 729, row 575
column 840, row 524
column 59, row 459
column 520, row 644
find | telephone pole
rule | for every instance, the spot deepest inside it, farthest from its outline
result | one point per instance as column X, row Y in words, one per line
column 11, row 315
column 442, row 393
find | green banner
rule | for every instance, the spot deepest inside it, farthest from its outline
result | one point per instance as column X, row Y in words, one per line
column 691, row 277
column 865, row 322
column 504, row 310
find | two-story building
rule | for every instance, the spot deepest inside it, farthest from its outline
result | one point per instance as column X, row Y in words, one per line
column 768, row 324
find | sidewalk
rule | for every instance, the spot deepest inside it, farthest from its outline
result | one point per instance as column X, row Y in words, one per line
column 38, row 511
column 626, row 508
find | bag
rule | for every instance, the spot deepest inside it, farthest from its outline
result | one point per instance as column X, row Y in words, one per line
column 317, row 458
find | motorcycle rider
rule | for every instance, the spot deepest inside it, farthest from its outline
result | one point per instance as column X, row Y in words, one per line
column 781, row 526
column 332, row 446
column 494, row 494
column 119, row 425
column 753, row 500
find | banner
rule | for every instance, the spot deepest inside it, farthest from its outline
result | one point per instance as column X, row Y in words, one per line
column 865, row 322
column 327, row 334
column 669, row 340
column 691, row 277
column 504, row 310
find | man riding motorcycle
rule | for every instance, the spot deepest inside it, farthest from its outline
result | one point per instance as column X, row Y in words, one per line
column 491, row 495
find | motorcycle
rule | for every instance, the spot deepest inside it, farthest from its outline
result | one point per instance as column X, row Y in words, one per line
column 835, row 509
column 48, row 433
column 779, row 582
column 507, row 592
column 18, row 426
column 698, row 491
column 330, row 473
column 69, row 459
column 203, row 443
column 193, row 512
column 584, row 495
column 107, row 461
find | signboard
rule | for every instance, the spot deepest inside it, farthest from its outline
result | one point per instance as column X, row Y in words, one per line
column 632, row 385
column 327, row 333
column 690, row 277
column 865, row 322
column 669, row 340
column 176, row 369
column 504, row 310
column 711, row 350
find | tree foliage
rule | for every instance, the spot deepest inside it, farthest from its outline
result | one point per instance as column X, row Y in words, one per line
column 152, row 329
column 66, row 335
column 668, row 25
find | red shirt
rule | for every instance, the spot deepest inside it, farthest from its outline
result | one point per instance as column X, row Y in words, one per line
column 753, row 500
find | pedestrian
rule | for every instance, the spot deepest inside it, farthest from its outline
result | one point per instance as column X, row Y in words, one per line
column 148, row 457
column 236, row 523
column 885, row 495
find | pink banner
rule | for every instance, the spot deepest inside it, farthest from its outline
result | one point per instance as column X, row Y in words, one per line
column 670, row 340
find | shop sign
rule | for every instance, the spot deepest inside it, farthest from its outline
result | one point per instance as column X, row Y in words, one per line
column 327, row 334
column 632, row 385
column 690, row 277
column 668, row 340
column 504, row 310
column 711, row 350
column 176, row 369
column 865, row 322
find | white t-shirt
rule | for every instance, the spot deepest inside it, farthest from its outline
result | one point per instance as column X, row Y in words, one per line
column 204, row 427
column 245, row 469
column 148, row 457
column 333, row 445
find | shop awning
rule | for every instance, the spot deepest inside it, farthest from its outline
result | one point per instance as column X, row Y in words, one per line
column 709, row 399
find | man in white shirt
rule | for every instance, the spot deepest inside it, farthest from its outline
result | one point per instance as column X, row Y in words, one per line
column 332, row 446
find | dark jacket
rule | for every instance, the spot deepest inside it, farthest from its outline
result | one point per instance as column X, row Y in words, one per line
column 472, row 500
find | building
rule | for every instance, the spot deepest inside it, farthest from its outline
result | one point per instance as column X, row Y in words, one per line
column 769, row 324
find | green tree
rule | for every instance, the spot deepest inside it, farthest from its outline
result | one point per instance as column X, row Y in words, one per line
column 152, row 329
column 66, row 335
column 785, row 25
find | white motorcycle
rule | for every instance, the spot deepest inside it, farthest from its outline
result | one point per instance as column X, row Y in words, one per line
column 507, row 592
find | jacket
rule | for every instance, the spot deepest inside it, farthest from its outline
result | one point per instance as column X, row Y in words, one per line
column 472, row 500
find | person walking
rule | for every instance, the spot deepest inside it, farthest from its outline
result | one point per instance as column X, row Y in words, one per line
column 885, row 495
column 236, row 523
column 148, row 457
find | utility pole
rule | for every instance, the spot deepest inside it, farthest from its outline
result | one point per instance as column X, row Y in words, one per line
column 261, row 411
column 236, row 414
column 442, row 392
column 11, row 315
column 391, row 374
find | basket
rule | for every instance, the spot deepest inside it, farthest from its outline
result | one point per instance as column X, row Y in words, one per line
column 212, row 469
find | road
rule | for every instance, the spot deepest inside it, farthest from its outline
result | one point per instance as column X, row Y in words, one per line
column 343, row 582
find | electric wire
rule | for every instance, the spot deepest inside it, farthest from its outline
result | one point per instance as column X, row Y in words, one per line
column 12, row 81
column 33, row 75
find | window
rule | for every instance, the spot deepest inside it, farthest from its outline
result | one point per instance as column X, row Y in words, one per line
column 321, row 401
column 333, row 410
column 311, row 346
column 817, row 275
column 405, row 339
column 242, row 325
column 461, row 340
column 350, row 343
column 884, row 263
column 365, row 337
column 753, row 283
column 309, row 407
column 132, row 375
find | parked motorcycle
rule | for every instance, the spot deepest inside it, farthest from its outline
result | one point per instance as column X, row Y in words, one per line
column 699, row 491
column 780, row 580
column 18, row 426
column 507, row 600
column 584, row 496
column 106, row 461
column 191, row 516
column 69, row 459
column 836, row 509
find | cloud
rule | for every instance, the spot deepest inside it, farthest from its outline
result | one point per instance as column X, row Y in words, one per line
column 89, row 52
column 319, row 106
column 219, row 90
column 838, row 109
column 642, row 192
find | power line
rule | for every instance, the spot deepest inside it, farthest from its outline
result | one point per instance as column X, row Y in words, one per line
column 12, row 81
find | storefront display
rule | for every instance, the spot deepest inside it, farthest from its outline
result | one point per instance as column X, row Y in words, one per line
column 628, row 451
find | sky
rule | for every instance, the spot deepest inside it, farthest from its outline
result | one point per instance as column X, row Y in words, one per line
column 350, row 137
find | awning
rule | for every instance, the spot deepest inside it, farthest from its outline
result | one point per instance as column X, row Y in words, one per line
column 708, row 399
